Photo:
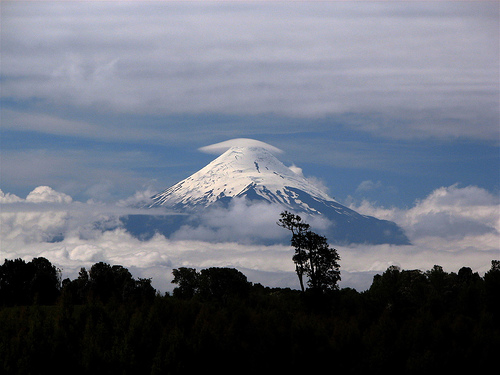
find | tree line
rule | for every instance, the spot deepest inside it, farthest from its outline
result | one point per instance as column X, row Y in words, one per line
column 107, row 322
column 38, row 282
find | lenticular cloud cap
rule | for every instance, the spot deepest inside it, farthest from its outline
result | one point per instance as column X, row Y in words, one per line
column 221, row 147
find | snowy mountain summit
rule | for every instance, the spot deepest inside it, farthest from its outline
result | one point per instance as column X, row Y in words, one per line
column 249, row 169
column 242, row 171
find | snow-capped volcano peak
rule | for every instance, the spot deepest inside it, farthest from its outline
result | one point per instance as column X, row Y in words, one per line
column 248, row 169
column 251, row 171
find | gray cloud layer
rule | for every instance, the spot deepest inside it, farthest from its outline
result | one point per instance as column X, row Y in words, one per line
column 405, row 69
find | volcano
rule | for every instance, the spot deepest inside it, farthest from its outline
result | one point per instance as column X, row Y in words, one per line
column 250, row 170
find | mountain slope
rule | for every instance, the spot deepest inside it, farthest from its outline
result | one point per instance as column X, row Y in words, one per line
column 254, row 173
column 240, row 171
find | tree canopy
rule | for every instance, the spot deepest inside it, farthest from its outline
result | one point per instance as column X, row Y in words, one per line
column 415, row 321
column 26, row 283
column 212, row 283
column 313, row 256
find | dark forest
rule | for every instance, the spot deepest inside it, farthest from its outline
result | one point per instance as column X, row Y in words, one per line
column 107, row 322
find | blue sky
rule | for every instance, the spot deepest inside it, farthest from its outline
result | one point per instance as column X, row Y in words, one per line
column 385, row 103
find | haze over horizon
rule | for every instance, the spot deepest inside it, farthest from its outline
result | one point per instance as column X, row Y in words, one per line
column 393, row 108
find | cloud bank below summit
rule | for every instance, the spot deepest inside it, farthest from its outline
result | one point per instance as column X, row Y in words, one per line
column 453, row 227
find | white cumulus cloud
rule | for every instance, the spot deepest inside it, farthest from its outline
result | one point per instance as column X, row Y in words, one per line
column 447, row 213
column 9, row 198
column 45, row 194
